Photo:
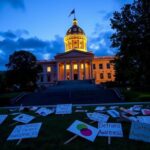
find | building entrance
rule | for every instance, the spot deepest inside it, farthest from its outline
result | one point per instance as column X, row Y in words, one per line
column 75, row 76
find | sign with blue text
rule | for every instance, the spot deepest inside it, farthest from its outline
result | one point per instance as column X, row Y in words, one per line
column 140, row 131
column 25, row 131
column 110, row 129
column 24, row 118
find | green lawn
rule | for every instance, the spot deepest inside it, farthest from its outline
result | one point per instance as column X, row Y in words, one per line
column 9, row 95
column 53, row 134
column 136, row 96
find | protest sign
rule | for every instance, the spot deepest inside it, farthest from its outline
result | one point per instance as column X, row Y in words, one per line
column 98, row 117
column 129, row 111
column 137, row 107
column 146, row 111
column 140, row 131
column 44, row 111
column 84, row 130
column 2, row 118
column 113, row 107
column 33, row 108
column 110, row 129
column 64, row 109
column 113, row 113
column 80, row 110
column 24, row 118
column 144, row 119
column 100, row 108
column 25, row 131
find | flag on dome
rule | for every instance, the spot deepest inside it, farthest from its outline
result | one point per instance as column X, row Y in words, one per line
column 72, row 12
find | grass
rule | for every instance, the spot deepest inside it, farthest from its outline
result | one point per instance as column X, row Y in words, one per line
column 9, row 95
column 53, row 134
column 136, row 96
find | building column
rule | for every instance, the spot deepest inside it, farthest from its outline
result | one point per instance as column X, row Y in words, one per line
column 71, row 71
column 64, row 70
column 78, row 70
column 91, row 68
column 57, row 71
column 84, row 68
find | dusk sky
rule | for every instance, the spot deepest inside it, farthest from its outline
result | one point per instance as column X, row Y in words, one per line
column 39, row 26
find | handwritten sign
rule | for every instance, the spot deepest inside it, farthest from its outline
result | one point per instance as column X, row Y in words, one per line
column 110, row 129
column 140, row 132
column 129, row 111
column 146, row 111
column 144, row 119
column 2, row 118
column 24, row 118
column 98, row 117
column 33, row 108
column 44, row 111
column 113, row 113
column 84, row 130
column 25, row 131
column 64, row 109
column 100, row 108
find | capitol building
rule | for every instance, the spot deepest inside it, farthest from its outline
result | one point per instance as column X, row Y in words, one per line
column 76, row 63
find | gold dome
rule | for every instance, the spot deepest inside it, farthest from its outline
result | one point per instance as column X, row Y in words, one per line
column 75, row 38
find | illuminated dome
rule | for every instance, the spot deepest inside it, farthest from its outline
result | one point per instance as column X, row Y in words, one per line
column 75, row 38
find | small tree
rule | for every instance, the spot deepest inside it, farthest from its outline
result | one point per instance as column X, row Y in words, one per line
column 22, row 69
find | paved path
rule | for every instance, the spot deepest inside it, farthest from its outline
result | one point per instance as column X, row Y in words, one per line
column 71, row 92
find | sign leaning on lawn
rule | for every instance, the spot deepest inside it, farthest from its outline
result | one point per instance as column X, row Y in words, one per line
column 110, row 129
column 44, row 111
column 84, row 130
column 64, row 109
column 25, row 131
column 24, row 118
column 2, row 118
column 98, row 117
column 140, row 132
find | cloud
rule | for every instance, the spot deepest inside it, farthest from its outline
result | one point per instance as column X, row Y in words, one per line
column 16, row 4
column 42, row 49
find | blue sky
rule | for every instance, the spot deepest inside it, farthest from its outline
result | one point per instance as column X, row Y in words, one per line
column 39, row 26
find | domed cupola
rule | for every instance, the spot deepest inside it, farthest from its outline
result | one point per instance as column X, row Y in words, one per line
column 75, row 38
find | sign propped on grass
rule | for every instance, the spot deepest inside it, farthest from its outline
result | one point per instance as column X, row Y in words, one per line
column 113, row 113
column 25, row 131
column 44, row 111
column 144, row 119
column 24, row 118
column 140, row 132
column 84, row 130
column 2, row 118
column 98, row 117
column 64, row 109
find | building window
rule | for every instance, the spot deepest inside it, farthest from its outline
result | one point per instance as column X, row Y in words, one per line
column 48, row 69
column 100, row 66
column 94, row 66
column 109, row 75
column 101, row 76
column 108, row 66
column 75, row 66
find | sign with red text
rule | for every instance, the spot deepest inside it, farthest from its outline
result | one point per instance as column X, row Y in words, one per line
column 140, row 131
column 110, row 129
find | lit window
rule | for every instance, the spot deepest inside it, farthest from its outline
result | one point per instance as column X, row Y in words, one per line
column 81, row 66
column 48, row 69
column 67, row 67
column 75, row 66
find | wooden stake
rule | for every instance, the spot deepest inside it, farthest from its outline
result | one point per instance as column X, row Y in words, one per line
column 19, row 142
column 72, row 138
column 109, row 140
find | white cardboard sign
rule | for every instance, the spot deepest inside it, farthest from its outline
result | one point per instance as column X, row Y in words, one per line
column 84, row 130
column 2, row 118
column 25, row 131
column 100, row 108
column 98, row 117
column 144, row 119
column 24, row 118
column 110, row 129
column 113, row 113
column 140, row 131
column 44, row 111
column 64, row 109
column 146, row 111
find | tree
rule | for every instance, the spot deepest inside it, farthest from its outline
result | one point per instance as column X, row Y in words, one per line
column 132, row 38
column 22, row 69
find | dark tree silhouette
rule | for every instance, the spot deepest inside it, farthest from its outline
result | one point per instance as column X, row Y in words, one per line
column 132, row 38
column 22, row 69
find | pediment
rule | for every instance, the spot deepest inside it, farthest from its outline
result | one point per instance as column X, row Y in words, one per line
column 74, row 54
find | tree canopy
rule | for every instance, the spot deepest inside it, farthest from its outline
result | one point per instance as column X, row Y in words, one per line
column 132, row 38
column 22, row 69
